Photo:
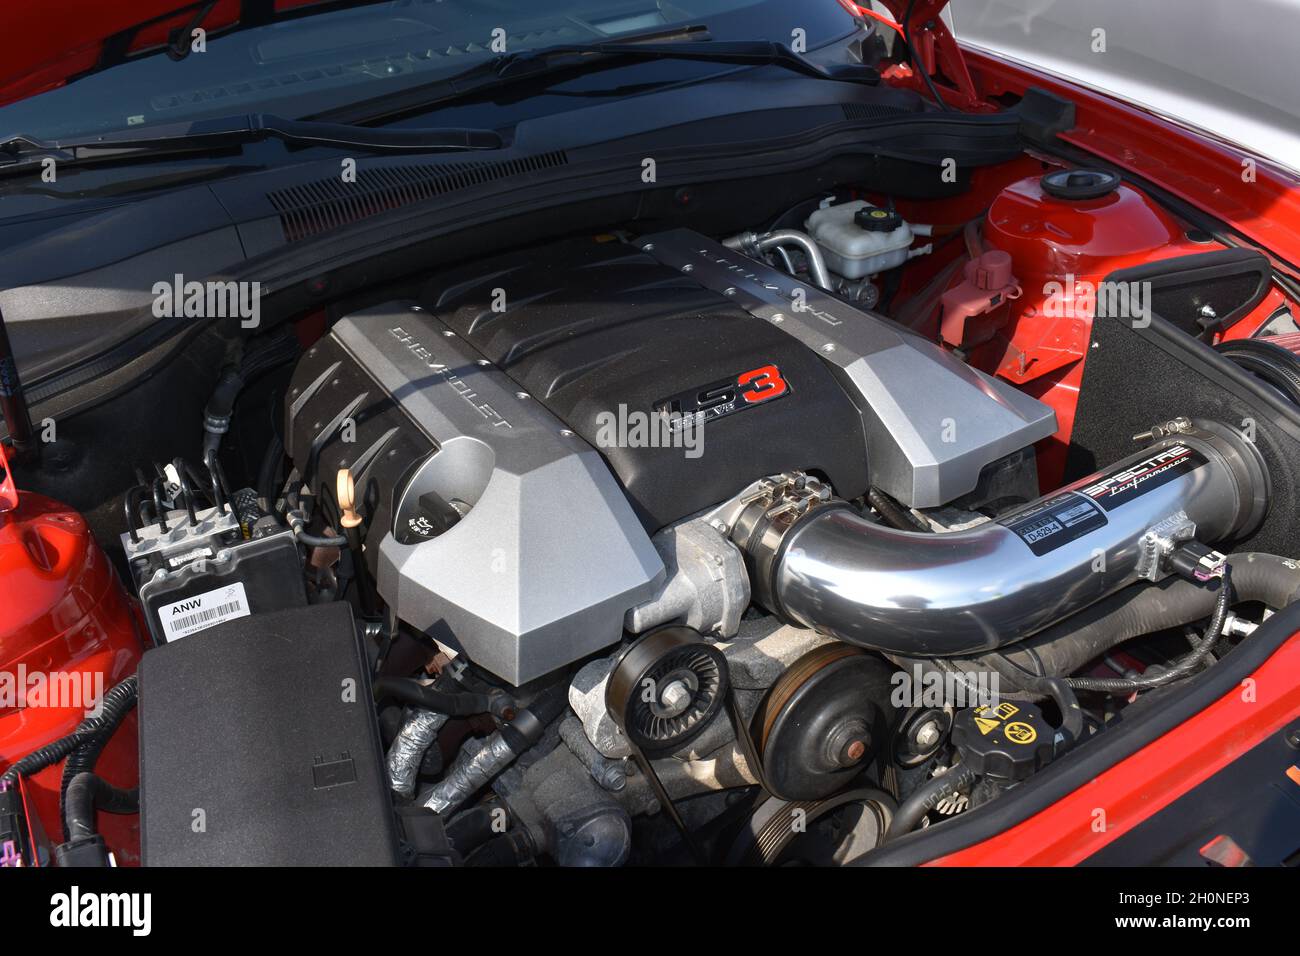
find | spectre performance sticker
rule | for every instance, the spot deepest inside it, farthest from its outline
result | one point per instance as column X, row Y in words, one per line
column 1160, row 468
column 1055, row 521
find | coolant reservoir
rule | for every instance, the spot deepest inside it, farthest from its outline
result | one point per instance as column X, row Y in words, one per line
column 859, row 239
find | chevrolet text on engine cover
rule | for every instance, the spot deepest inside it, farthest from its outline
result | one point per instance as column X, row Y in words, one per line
column 741, row 434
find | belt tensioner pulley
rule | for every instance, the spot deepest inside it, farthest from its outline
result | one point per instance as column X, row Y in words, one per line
column 666, row 688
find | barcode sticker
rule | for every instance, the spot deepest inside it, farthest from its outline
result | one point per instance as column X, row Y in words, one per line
column 203, row 611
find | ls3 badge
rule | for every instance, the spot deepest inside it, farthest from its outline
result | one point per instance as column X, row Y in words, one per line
column 725, row 397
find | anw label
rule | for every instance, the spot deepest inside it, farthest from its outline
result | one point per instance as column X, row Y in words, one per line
column 200, row 611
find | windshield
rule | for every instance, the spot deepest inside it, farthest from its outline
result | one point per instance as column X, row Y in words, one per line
column 307, row 65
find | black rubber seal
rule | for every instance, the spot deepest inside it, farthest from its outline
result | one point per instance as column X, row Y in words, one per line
column 1080, row 183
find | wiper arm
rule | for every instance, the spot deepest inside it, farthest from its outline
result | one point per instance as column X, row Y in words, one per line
column 531, row 65
column 20, row 151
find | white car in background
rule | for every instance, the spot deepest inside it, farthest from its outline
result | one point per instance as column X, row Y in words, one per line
column 1227, row 68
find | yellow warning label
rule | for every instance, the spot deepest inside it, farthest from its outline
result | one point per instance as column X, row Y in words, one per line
column 1019, row 732
column 985, row 725
column 1006, row 710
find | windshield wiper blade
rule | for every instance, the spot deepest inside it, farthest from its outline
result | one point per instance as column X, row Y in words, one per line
column 532, row 65
column 19, row 151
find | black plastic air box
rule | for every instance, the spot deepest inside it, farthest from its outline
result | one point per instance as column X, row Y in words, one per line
column 259, row 746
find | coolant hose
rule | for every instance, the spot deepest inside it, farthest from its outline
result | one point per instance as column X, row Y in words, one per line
column 418, row 732
column 926, row 797
column 481, row 760
column 88, row 792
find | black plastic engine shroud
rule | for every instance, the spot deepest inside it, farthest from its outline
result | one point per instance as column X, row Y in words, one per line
column 592, row 329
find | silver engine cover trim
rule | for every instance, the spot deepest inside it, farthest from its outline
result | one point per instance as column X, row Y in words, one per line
column 932, row 423
column 549, row 557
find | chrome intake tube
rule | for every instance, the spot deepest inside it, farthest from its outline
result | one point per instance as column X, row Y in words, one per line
column 830, row 568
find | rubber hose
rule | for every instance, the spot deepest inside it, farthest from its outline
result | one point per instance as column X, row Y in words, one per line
column 893, row 513
column 221, row 405
column 1071, row 712
column 317, row 541
column 407, row 690
column 116, row 705
column 1140, row 609
column 1179, row 670
column 314, row 540
column 924, row 799
column 550, row 703
column 88, row 792
column 266, row 474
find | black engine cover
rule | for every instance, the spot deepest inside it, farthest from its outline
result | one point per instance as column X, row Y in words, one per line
column 586, row 327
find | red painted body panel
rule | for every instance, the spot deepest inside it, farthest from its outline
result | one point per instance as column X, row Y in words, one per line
column 63, row 617
column 1261, row 202
column 1062, row 251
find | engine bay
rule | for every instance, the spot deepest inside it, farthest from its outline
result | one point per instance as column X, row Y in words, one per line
column 752, row 548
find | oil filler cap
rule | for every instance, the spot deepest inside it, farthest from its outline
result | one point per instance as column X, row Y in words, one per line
column 431, row 516
column 1006, row 742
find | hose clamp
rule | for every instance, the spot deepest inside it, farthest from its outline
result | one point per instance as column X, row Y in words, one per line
column 769, row 510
